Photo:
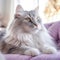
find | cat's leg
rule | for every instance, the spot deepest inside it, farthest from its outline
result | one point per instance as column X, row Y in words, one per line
column 49, row 49
column 30, row 51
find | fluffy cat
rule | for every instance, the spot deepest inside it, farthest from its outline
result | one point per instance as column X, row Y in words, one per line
column 27, row 34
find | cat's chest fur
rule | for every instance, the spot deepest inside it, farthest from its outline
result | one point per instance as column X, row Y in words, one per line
column 25, row 39
column 32, row 40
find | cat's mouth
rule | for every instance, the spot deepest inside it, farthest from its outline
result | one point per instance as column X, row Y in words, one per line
column 36, row 29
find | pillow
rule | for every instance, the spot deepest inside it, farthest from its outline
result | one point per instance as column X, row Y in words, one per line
column 54, row 31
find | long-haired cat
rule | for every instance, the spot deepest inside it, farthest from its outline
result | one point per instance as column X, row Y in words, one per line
column 27, row 33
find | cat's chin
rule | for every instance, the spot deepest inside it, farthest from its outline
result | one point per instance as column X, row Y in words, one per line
column 34, row 31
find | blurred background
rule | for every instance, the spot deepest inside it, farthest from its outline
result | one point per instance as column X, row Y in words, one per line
column 49, row 10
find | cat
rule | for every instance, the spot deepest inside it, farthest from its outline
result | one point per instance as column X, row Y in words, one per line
column 27, row 35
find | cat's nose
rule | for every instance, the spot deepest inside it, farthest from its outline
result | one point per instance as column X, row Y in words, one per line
column 39, row 26
column 36, row 25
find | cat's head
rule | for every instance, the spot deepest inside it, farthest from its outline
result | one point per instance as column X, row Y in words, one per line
column 27, row 21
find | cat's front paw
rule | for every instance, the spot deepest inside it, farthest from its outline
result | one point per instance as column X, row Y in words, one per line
column 32, row 52
column 49, row 50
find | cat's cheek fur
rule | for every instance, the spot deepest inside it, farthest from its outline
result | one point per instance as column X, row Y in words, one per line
column 32, row 52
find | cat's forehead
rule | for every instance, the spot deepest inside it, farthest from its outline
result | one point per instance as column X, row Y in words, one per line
column 30, row 13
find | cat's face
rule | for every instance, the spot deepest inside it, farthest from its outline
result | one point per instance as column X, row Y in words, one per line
column 27, row 21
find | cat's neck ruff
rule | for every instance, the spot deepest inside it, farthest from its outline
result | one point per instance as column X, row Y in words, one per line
column 24, row 36
column 20, row 38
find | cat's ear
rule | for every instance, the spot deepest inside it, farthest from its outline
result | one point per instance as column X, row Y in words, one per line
column 19, row 11
column 36, row 10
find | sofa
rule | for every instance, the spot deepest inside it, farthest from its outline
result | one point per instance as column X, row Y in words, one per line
column 54, row 30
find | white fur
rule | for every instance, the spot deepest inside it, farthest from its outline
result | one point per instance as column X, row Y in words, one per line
column 32, row 52
column 2, row 56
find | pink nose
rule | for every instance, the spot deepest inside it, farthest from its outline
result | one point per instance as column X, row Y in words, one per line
column 36, row 26
column 39, row 26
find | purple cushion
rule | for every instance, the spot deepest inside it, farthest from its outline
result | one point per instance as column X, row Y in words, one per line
column 47, row 57
column 17, row 57
column 54, row 30
column 48, row 25
column 40, row 57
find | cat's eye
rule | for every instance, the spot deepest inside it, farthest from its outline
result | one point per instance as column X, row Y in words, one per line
column 38, row 19
column 27, row 19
